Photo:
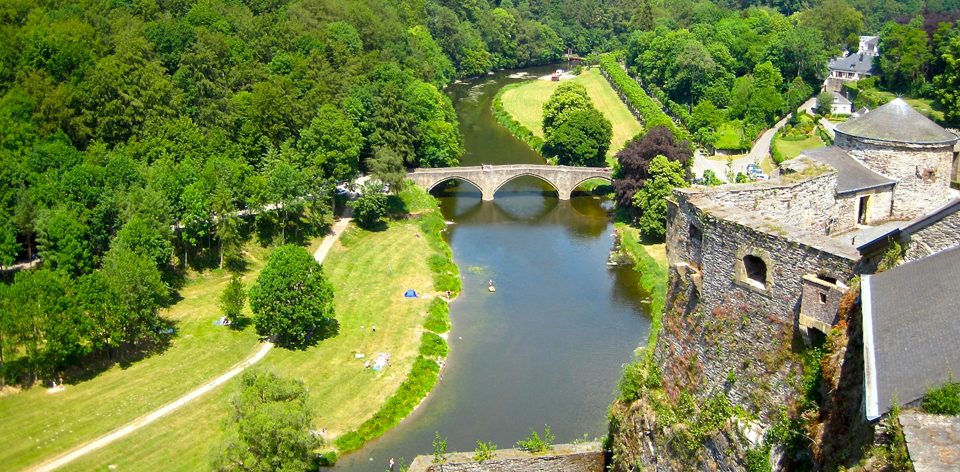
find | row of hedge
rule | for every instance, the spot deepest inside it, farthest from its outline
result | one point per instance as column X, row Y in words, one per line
column 824, row 136
column 677, row 110
column 646, row 109
column 775, row 153
column 446, row 274
column 514, row 126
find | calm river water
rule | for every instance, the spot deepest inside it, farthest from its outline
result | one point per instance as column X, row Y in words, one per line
column 547, row 347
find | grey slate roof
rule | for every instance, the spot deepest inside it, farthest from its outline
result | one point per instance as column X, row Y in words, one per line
column 852, row 63
column 898, row 122
column 851, row 175
column 911, row 330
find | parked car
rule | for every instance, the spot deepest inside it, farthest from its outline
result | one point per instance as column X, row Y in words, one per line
column 760, row 177
column 754, row 169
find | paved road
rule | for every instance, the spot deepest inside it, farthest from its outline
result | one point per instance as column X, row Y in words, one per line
column 759, row 150
column 138, row 423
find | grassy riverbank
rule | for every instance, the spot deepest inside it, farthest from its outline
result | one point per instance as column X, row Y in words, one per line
column 650, row 259
column 524, row 104
column 370, row 272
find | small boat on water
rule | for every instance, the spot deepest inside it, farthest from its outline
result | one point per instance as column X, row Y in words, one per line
column 490, row 287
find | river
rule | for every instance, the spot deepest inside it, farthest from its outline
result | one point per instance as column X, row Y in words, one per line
column 548, row 346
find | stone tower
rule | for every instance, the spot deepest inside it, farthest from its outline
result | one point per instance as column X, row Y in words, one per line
column 898, row 142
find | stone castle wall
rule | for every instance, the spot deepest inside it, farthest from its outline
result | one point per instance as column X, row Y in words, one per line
column 934, row 238
column 879, row 208
column 922, row 171
column 715, row 240
column 808, row 203
column 582, row 457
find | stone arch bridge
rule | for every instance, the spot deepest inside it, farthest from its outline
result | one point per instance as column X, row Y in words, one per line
column 490, row 178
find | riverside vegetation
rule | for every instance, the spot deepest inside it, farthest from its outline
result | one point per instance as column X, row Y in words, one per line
column 340, row 398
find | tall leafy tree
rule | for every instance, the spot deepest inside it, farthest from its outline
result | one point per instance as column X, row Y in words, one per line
column 567, row 98
column 371, row 206
column 226, row 223
column 948, row 83
column 9, row 247
column 63, row 241
column 123, row 91
column 44, row 323
column 906, row 56
column 138, row 293
column 269, row 427
column 292, row 299
column 332, row 143
column 835, row 19
column 651, row 199
column 582, row 139
column 195, row 218
column 387, row 167
column 147, row 238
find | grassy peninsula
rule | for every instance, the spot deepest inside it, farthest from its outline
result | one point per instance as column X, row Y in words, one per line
column 524, row 104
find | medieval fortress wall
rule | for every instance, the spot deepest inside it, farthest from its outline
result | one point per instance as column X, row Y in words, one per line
column 758, row 256
column 806, row 203
column 933, row 238
column 922, row 170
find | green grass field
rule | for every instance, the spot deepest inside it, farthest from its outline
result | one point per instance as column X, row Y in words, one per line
column 729, row 136
column 38, row 425
column 525, row 104
column 791, row 149
column 369, row 276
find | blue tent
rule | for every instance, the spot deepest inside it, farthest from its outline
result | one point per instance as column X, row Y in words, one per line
column 410, row 294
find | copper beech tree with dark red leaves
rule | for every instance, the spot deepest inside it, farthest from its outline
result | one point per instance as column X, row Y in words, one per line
column 635, row 160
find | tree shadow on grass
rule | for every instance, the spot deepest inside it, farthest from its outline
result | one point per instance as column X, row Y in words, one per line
column 374, row 226
column 396, row 207
column 329, row 328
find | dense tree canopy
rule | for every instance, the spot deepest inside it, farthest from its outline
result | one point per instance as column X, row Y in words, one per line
column 577, row 134
column 581, row 139
column 291, row 300
column 269, row 427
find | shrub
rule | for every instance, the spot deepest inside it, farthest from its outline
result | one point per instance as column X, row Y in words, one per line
column 944, row 400
column 438, row 319
column 432, row 345
column 484, row 451
column 775, row 153
column 535, row 444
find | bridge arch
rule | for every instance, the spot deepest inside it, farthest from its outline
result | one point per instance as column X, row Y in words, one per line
column 455, row 177
column 525, row 174
column 585, row 180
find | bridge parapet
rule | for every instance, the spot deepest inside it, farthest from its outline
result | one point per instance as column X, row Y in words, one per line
column 489, row 179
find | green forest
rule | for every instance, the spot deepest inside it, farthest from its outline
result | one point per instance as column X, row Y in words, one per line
column 141, row 139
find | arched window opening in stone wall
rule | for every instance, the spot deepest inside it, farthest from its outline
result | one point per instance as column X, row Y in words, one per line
column 696, row 234
column 755, row 270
